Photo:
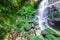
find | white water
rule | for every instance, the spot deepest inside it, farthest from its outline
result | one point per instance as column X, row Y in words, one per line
column 42, row 15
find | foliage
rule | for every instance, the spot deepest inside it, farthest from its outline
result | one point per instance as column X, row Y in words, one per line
column 19, row 27
column 50, row 37
column 54, row 14
column 26, row 10
column 10, row 11
column 35, row 38
column 49, row 31
column 12, row 14
column 3, row 33
column 49, row 34
column 27, row 27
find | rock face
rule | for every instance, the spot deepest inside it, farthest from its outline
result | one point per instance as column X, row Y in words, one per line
column 52, row 1
column 56, row 23
column 57, row 5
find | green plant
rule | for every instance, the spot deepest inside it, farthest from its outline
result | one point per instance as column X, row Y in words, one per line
column 50, row 37
column 10, row 11
column 49, row 34
column 27, row 27
column 26, row 10
column 54, row 14
column 3, row 33
column 49, row 31
column 35, row 38
column 25, row 13
column 19, row 26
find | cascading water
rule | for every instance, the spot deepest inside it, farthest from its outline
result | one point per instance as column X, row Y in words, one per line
column 42, row 15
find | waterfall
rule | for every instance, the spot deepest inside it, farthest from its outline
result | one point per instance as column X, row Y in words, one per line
column 41, row 16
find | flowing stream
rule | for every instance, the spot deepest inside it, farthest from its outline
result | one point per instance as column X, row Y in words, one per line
column 42, row 15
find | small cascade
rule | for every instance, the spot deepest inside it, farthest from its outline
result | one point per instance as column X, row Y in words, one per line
column 41, row 16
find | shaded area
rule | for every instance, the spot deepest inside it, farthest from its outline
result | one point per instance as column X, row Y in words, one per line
column 55, row 25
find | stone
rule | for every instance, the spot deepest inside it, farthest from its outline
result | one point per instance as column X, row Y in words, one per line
column 38, row 32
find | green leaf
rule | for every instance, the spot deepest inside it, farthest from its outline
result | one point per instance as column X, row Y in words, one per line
column 51, row 37
column 35, row 38
column 49, row 31
column 27, row 27
column 18, row 30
